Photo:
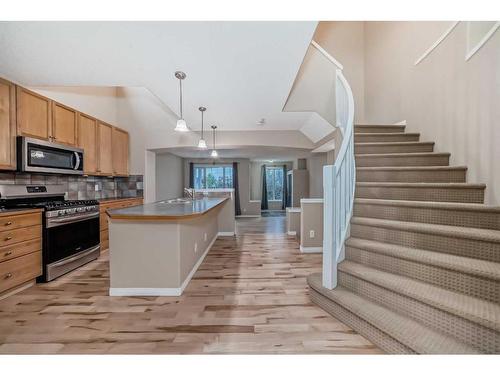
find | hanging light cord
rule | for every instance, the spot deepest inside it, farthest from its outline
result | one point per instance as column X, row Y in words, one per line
column 180, row 99
column 214, row 127
column 202, row 124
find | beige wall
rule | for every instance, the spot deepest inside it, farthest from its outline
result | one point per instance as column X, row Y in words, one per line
column 315, row 166
column 169, row 176
column 345, row 42
column 311, row 218
column 447, row 99
column 293, row 221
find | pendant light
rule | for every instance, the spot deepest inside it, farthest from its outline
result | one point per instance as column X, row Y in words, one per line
column 201, row 143
column 214, row 153
column 181, row 123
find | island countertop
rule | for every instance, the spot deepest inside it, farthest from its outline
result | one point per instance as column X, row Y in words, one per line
column 164, row 211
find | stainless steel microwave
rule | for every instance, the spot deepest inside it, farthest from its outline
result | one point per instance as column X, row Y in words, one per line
column 35, row 155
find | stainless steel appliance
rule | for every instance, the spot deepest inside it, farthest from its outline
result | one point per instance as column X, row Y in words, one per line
column 35, row 155
column 70, row 228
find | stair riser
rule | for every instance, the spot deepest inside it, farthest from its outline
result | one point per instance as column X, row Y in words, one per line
column 451, row 175
column 391, row 149
column 434, row 242
column 421, row 194
column 430, row 215
column 452, row 280
column 406, row 161
column 379, row 129
column 472, row 334
column 378, row 337
column 394, row 137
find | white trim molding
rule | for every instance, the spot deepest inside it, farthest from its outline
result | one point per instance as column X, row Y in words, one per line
column 311, row 200
column 436, row 43
column 224, row 234
column 292, row 233
column 483, row 41
column 248, row 216
column 311, row 249
column 170, row 292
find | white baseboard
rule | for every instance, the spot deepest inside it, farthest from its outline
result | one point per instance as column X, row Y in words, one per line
column 171, row 292
column 248, row 216
column 225, row 234
column 311, row 249
column 292, row 233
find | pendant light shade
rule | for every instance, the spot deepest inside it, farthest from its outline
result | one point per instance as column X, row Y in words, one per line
column 181, row 125
column 214, row 153
column 201, row 143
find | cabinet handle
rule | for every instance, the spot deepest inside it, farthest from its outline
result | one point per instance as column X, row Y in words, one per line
column 8, row 223
column 8, row 253
column 8, row 238
column 8, row 276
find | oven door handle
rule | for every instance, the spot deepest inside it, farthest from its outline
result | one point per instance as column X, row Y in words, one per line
column 72, row 219
column 77, row 162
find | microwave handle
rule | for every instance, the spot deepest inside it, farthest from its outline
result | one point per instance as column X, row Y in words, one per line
column 78, row 161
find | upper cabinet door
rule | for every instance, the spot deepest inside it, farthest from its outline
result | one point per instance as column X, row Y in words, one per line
column 34, row 114
column 87, row 139
column 104, row 141
column 120, row 152
column 64, row 124
column 7, row 125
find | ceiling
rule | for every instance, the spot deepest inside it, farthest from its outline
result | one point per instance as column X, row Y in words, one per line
column 240, row 71
column 257, row 153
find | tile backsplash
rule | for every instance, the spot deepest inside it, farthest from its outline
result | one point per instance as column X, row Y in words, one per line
column 81, row 187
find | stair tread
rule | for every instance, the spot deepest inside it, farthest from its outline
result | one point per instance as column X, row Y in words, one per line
column 476, row 267
column 394, row 126
column 429, row 204
column 479, row 234
column 458, row 185
column 387, row 134
column 412, row 143
column 474, row 309
column 409, row 332
column 418, row 168
column 404, row 155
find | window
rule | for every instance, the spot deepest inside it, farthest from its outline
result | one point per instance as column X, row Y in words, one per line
column 274, row 180
column 213, row 176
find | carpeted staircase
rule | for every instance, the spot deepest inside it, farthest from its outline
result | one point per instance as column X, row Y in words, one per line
column 422, row 266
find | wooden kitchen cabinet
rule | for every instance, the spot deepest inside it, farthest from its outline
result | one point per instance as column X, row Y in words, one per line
column 104, row 149
column 87, row 139
column 64, row 124
column 34, row 114
column 120, row 152
column 7, row 125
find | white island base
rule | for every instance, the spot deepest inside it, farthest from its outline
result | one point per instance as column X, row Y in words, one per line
column 159, row 257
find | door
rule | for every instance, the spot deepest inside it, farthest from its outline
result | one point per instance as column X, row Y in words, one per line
column 34, row 114
column 120, row 152
column 64, row 124
column 7, row 125
column 87, row 140
column 104, row 150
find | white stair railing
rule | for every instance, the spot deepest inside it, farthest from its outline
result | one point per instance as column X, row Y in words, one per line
column 339, row 182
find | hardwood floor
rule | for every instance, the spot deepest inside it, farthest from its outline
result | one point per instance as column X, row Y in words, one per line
column 248, row 296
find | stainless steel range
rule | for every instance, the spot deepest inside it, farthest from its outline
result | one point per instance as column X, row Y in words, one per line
column 70, row 228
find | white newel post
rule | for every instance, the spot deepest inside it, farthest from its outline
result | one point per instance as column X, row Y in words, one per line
column 329, row 256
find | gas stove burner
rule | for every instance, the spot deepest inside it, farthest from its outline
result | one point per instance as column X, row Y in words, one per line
column 57, row 205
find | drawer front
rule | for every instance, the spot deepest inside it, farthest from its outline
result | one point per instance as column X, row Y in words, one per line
column 16, row 271
column 19, row 221
column 19, row 235
column 19, row 249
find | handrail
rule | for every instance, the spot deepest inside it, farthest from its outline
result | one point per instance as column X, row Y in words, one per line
column 327, row 55
column 339, row 181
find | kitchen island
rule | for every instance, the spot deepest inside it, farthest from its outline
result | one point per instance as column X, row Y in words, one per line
column 156, row 248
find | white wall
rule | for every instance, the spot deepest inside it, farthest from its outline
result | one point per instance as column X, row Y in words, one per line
column 169, row 176
column 447, row 99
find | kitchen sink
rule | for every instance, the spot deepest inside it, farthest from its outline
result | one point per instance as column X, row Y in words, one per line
column 178, row 200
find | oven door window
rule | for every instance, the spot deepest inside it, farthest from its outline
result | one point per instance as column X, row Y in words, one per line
column 47, row 157
column 66, row 240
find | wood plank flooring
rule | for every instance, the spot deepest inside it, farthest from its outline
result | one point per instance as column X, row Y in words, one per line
column 248, row 296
